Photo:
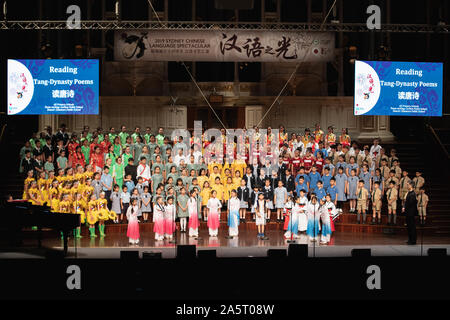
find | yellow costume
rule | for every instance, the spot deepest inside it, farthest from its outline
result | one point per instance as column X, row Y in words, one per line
column 103, row 212
column 205, row 194
column 92, row 213
column 78, row 208
column 219, row 189
column 33, row 193
column 64, row 206
column 26, row 184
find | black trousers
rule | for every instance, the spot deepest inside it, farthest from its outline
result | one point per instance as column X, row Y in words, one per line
column 411, row 225
column 108, row 198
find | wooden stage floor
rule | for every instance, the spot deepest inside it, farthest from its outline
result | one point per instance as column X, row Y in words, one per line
column 247, row 244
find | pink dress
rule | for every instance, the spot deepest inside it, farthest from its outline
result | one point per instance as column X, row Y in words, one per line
column 193, row 214
column 169, row 224
column 158, row 219
column 133, row 225
column 213, row 217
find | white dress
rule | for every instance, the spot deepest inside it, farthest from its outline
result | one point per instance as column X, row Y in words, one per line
column 233, row 218
column 302, row 217
column 260, row 221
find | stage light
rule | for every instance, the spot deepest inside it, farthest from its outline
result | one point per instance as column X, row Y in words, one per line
column 298, row 251
column 361, row 253
column 151, row 255
column 129, row 255
column 186, row 252
column 437, row 252
column 207, row 254
column 277, row 253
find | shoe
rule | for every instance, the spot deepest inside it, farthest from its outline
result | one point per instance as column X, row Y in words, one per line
column 410, row 243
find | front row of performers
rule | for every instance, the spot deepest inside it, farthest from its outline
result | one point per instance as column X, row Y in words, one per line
column 313, row 216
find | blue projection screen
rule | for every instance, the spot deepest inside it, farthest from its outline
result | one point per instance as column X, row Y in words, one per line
column 398, row 88
column 53, row 86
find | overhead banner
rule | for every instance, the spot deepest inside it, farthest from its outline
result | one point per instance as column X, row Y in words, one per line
column 53, row 86
column 392, row 88
column 223, row 46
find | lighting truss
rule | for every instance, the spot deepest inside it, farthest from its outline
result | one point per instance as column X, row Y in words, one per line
column 193, row 25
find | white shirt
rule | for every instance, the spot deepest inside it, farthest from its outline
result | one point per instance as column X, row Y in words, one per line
column 178, row 159
column 214, row 204
column 234, row 204
column 197, row 156
column 374, row 150
column 144, row 172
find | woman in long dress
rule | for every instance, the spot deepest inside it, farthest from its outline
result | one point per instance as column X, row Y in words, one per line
column 169, row 221
column 312, row 211
column 293, row 221
column 331, row 210
column 192, row 208
column 302, row 216
column 214, row 206
column 325, row 218
column 158, row 219
column 233, row 214
column 133, row 224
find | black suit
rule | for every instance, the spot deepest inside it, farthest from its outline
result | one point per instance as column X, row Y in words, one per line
column 289, row 183
column 131, row 170
column 411, row 212
column 255, row 170
column 243, row 194
column 252, row 181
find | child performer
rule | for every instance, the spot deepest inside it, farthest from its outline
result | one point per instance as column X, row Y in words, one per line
column 312, row 211
column 292, row 227
column 78, row 208
column 145, row 203
column 392, row 196
column 169, row 215
column 280, row 198
column 115, row 202
column 158, row 218
column 182, row 212
column 376, row 202
column 92, row 213
column 243, row 193
column 361, row 202
column 213, row 206
column 331, row 210
column 302, row 216
column 192, row 209
column 287, row 211
column 422, row 202
column 260, row 212
column 133, row 224
column 326, row 221
column 103, row 213
column 124, row 202
column 234, row 205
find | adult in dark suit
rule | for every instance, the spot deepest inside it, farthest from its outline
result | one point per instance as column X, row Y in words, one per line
column 410, row 210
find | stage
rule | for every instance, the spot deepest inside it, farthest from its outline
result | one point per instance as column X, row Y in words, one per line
column 246, row 245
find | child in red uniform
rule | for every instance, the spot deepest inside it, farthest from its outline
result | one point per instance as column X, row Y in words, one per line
column 296, row 162
column 308, row 161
